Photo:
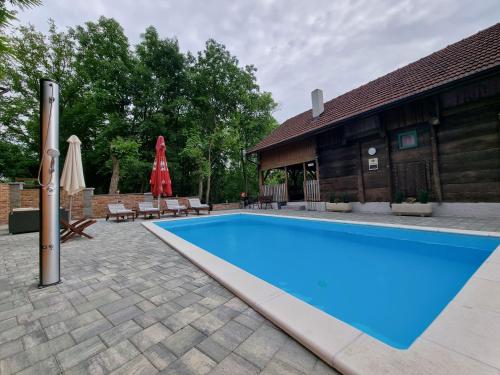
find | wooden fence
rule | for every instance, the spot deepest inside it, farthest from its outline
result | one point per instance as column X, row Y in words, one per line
column 311, row 191
column 277, row 191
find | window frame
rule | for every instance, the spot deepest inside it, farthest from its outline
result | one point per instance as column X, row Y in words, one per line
column 402, row 134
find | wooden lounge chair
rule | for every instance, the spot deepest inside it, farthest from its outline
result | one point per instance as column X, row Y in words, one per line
column 119, row 211
column 69, row 230
column 147, row 208
column 172, row 205
column 197, row 206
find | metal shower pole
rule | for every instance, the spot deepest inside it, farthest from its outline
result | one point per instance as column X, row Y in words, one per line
column 49, row 180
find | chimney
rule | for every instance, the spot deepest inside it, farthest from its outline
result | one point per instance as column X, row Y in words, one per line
column 317, row 102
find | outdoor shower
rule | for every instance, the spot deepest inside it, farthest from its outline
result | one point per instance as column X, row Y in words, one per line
column 48, row 179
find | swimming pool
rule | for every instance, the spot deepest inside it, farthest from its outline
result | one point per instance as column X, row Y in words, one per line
column 390, row 283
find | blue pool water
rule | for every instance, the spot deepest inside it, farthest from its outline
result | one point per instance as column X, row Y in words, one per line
column 389, row 283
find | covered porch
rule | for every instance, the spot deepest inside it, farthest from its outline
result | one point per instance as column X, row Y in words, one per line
column 290, row 173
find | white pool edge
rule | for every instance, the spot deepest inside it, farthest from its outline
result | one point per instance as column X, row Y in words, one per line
column 342, row 346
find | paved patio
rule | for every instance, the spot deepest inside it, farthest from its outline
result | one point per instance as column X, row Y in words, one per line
column 130, row 304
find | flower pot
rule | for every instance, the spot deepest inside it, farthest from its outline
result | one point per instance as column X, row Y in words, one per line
column 339, row 207
column 412, row 209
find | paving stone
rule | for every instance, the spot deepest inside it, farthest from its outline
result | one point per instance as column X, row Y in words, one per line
column 321, row 368
column 8, row 324
column 236, row 304
column 160, row 356
column 213, row 301
column 120, row 332
column 231, row 335
column 159, row 313
column 107, row 360
column 72, row 356
column 261, row 346
column 138, row 366
column 193, row 362
column 164, row 297
column 95, row 303
column 214, row 350
column 211, row 322
column 16, row 311
column 72, row 323
column 248, row 321
column 234, row 364
column 185, row 316
column 146, row 306
column 276, row 367
column 183, row 340
column 148, row 293
column 150, row 336
column 37, row 314
column 10, row 348
column 121, row 304
column 35, row 354
column 48, row 366
column 124, row 315
column 91, row 330
column 188, row 299
column 295, row 355
column 58, row 317
column 18, row 331
column 34, row 338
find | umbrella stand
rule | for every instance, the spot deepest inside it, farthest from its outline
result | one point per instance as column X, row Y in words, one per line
column 70, row 207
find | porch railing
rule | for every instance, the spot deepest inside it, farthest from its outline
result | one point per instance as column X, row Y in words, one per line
column 277, row 191
column 311, row 191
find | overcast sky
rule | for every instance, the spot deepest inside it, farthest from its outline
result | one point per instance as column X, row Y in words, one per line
column 297, row 46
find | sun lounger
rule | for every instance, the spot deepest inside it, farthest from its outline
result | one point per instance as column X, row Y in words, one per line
column 69, row 230
column 147, row 208
column 197, row 206
column 172, row 205
column 119, row 211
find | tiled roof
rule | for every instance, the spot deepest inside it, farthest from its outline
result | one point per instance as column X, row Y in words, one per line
column 469, row 56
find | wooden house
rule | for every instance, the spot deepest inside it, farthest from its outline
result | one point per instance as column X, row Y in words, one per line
column 433, row 125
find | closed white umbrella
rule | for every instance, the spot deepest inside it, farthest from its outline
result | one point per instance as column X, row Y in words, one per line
column 72, row 179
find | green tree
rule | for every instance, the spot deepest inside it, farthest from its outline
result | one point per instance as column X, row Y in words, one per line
column 103, row 67
column 159, row 90
column 122, row 151
column 117, row 101
column 36, row 56
column 228, row 112
column 7, row 16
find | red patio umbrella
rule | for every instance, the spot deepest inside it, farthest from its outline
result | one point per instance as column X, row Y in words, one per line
column 160, row 176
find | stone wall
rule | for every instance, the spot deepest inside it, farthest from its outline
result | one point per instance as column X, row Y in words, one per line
column 85, row 203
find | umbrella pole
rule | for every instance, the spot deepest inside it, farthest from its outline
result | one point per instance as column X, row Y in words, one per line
column 70, row 207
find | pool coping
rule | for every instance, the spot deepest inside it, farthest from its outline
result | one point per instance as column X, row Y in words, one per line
column 442, row 346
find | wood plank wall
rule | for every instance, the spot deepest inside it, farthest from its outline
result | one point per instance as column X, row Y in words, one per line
column 468, row 147
column 290, row 154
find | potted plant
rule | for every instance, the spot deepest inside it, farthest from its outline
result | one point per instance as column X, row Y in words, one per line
column 419, row 206
column 339, row 204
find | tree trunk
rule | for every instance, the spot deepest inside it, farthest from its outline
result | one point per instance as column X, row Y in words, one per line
column 200, row 185
column 115, row 176
column 209, row 174
column 244, row 168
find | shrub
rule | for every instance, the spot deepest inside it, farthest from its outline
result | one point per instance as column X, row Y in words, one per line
column 423, row 196
column 344, row 198
column 399, row 197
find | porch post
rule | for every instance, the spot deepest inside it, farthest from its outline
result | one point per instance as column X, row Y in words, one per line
column 286, row 183
column 304, row 183
column 261, row 179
